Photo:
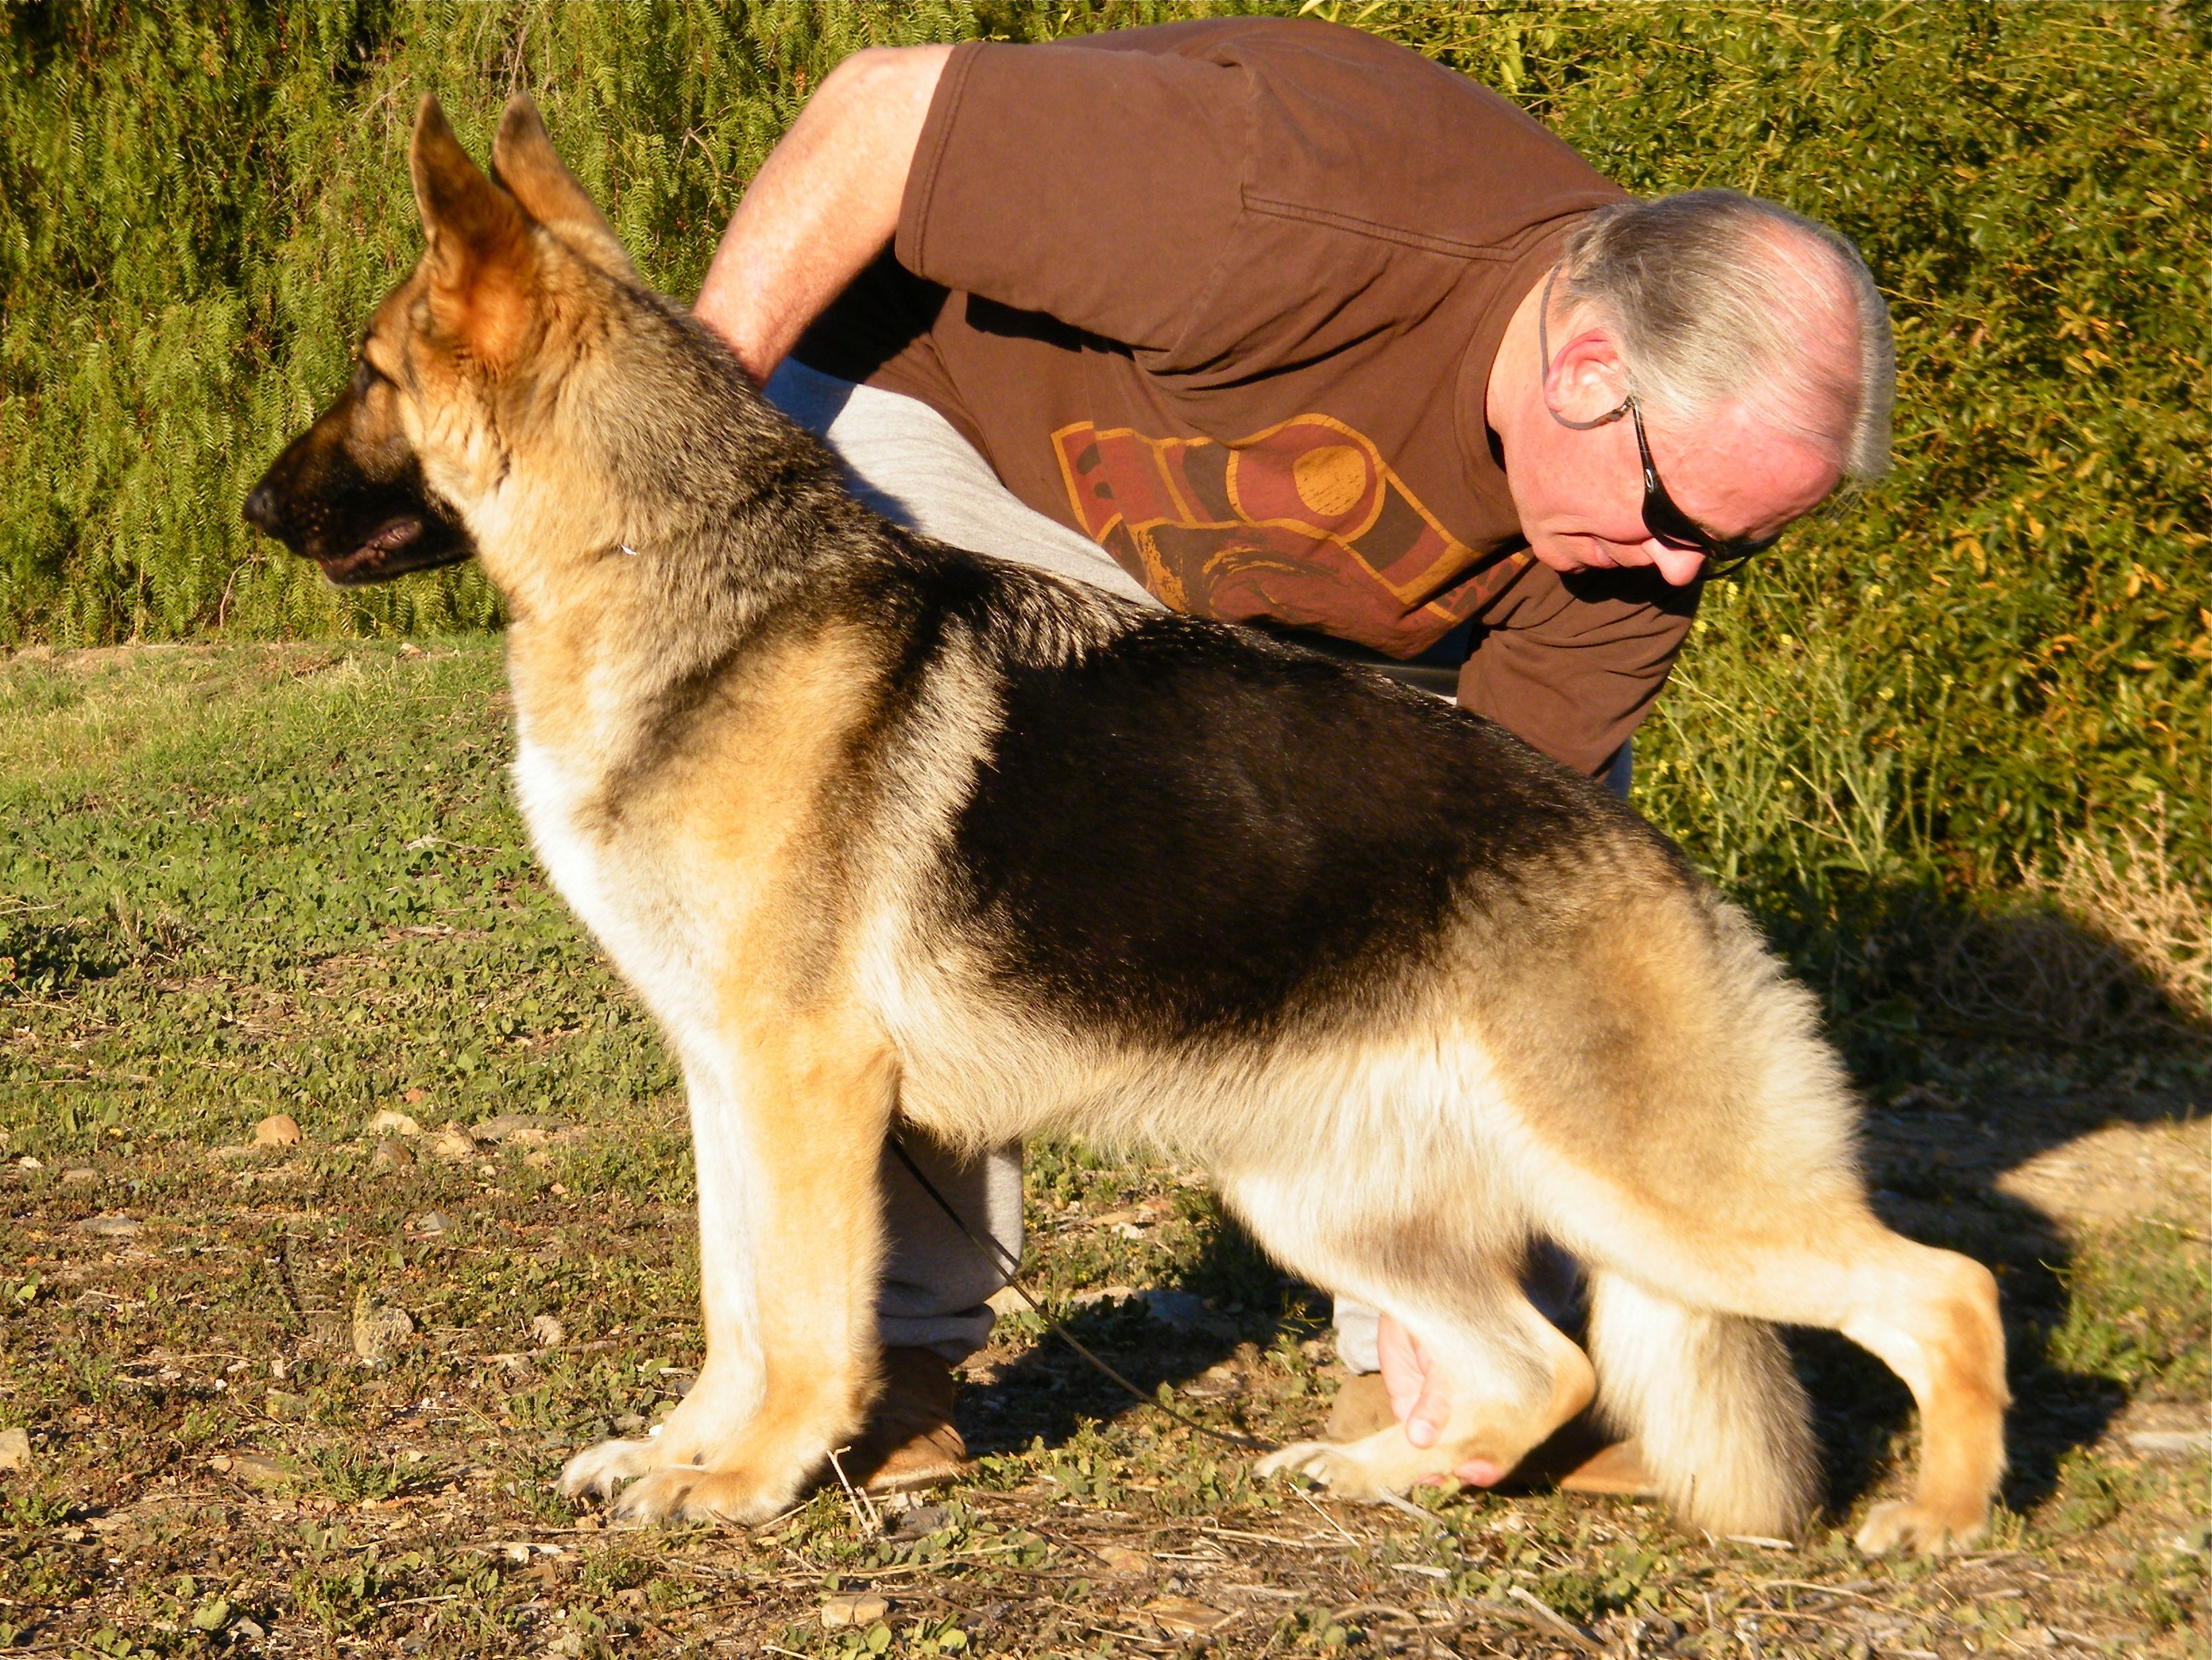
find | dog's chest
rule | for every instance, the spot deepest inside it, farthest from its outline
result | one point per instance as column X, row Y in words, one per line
column 624, row 903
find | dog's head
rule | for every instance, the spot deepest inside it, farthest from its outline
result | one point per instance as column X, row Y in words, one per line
column 460, row 367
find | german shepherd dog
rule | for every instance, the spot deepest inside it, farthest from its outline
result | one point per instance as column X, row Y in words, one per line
column 884, row 829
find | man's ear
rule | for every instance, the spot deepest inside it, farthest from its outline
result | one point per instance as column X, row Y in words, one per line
column 522, row 160
column 1588, row 384
column 478, row 258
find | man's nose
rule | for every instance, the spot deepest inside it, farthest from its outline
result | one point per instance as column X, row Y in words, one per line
column 1679, row 566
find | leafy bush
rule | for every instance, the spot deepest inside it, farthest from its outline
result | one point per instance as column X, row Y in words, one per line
column 2003, row 646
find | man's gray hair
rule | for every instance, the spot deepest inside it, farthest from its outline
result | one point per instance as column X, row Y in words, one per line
column 1718, row 298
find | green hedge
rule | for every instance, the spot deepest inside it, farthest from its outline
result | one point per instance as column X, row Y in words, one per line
column 2005, row 644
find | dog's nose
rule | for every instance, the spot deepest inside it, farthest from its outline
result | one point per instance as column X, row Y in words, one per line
column 261, row 507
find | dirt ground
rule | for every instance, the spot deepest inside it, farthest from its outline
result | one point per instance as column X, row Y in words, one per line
column 243, row 1466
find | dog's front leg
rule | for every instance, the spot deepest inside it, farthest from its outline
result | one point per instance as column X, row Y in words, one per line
column 787, row 1127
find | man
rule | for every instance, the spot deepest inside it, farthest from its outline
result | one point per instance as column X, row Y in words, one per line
column 1274, row 322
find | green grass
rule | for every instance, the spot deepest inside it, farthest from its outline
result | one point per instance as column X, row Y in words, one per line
column 287, row 879
column 215, row 912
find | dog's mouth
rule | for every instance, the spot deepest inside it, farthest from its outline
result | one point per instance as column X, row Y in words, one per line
column 403, row 543
column 359, row 524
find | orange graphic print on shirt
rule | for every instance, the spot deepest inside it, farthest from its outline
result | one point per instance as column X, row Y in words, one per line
column 1302, row 524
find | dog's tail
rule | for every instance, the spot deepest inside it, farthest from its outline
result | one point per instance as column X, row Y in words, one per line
column 1720, row 1417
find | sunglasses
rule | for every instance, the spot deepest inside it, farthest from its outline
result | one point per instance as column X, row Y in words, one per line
column 1669, row 524
column 1671, row 528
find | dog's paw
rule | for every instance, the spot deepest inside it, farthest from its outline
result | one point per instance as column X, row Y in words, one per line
column 1921, row 1528
column 1338, row 1468
column 686, row 1492
column 600, row 1469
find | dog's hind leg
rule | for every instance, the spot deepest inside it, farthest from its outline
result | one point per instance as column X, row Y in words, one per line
column 1448, row 1271
column 788, row 1126
column 1664, row 1293
column 1513, row 1379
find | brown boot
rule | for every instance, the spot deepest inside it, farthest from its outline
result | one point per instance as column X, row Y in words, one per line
column 908, row 1441
column 1616, row 1469
column 1575, row 1460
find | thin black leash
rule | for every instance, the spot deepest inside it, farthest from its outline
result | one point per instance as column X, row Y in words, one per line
column 1010, row 1265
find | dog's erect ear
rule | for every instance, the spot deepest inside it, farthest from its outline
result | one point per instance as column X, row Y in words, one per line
column 479, row 256
column 522, row 160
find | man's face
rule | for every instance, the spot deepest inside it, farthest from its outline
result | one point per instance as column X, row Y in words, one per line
column 1580, row 494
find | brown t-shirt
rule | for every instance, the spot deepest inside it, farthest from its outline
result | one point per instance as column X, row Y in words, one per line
column 1224, row 296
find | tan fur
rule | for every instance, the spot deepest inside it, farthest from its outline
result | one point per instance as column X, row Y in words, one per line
column 1622, row 1068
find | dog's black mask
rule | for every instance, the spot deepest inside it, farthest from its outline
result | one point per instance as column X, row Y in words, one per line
column 354, row 501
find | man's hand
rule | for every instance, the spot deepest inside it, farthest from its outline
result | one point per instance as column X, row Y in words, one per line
column 1420, row 1397
column 822, row 204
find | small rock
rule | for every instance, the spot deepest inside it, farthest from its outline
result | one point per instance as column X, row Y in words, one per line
column 526, row 1128
column 1178, row 1311
column 389, row 1122
column 1121, row 1560
column 1179, row 1616
column 284, row 1406
column 854, row 1608
column 538, row 1158
column 1005, row 1301
column 430, row 1224
column 255, row 1467
column 921, row 1522
column 79, row 1177
column 380, row 1330
column 452, row 1145
column 28, row 1163
column 109, row 1227
column 547, row 1331
column 245, row 1631
column 14, row 1449
column 1095, row 1294
column 278, row 1129
column 391, row 1155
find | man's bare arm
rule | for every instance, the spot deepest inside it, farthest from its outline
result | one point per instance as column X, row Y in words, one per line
column 823, row 205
